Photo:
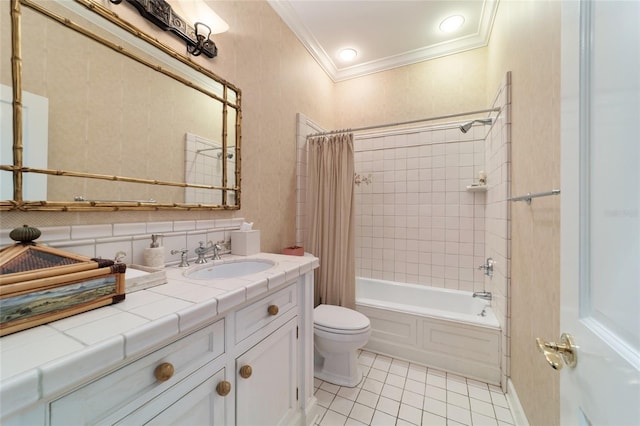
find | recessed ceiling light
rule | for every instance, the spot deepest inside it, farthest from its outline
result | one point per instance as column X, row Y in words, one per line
column 348, row 54
column 451, row 23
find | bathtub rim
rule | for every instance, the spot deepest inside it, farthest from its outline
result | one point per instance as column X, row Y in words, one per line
column 490, row 321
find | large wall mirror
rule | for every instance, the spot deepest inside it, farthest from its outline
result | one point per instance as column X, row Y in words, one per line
column 109, row 118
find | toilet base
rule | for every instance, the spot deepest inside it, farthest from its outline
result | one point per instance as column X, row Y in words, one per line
column 340, row 369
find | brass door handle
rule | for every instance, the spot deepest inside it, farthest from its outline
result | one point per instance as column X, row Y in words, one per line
column 273, row 309
column 164, row 372
column 555, row 353
column 245, row 371
column 223, row 388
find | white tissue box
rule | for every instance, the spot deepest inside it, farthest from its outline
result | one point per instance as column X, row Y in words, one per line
column 245, row 243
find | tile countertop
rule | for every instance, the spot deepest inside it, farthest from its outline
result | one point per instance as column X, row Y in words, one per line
column 41, row 361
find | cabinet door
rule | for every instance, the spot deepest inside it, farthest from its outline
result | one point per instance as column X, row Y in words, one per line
column 200, row 407
column 268, row 395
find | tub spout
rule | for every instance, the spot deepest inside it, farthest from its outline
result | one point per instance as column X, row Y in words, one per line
column 486, row 295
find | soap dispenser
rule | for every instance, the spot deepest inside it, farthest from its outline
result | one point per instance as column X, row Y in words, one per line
column 154, row 254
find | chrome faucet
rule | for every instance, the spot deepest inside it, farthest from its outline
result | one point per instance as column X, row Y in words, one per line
column 488, row 267
column 183, row 257
column 486, row 295
column 201, row 251
column 119, row 256
column 216, row 251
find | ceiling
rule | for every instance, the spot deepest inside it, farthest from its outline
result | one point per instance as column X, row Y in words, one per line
column 386, row 33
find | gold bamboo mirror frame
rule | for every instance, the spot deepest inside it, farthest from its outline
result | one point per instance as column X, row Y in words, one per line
column 173, row 146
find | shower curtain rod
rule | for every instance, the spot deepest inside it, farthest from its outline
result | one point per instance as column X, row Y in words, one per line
column 378, row 126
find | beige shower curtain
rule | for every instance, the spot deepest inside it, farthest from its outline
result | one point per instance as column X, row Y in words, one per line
column 330, row 216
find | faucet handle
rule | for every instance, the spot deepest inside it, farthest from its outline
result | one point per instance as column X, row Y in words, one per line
column 119, row 256
column 183, row 257
column 488, row 267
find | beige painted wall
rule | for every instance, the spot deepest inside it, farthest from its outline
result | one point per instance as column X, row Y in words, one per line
column 526, row 40
column 446, row 85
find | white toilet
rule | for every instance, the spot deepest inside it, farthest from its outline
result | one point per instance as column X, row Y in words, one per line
column 338, row 333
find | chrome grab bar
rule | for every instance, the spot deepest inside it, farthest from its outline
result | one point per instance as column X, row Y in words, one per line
column 529, row 195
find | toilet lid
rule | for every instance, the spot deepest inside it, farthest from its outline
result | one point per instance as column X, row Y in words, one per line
column 339, row 318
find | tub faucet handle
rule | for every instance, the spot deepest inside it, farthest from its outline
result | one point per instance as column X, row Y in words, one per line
column 488, row 267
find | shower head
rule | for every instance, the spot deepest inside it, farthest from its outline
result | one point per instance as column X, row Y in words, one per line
column 464, row 128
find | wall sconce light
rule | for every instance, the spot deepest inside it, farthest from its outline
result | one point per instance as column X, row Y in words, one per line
column 203, row 43
column 162, row 15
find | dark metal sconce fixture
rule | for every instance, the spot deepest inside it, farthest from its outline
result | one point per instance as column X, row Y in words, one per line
column 161, row 14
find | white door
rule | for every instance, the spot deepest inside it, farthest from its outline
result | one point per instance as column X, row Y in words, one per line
column 600, row 213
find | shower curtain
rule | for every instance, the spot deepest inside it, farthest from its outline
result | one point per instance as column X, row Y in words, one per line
column 331, row 218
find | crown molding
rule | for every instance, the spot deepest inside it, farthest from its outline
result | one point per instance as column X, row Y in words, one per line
column 480, row 39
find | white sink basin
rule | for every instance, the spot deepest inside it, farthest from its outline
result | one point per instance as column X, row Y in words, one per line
column 233, row 269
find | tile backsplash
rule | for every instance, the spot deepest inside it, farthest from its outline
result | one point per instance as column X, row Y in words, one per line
column 105, row 240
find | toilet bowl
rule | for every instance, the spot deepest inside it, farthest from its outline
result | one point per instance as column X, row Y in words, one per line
column 338, row 333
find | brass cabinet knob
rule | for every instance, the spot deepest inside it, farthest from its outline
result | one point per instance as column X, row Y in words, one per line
column 223, row 388
column 555, row 353
column 164, row 372
column 245, row 371
column 273, row 309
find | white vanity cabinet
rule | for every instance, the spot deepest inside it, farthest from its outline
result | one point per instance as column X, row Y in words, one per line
column 252, row 365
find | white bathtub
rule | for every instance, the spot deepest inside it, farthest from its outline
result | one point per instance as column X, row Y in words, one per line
column 445, row 329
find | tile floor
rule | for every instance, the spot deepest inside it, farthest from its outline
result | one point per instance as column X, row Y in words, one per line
column 394, row 392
